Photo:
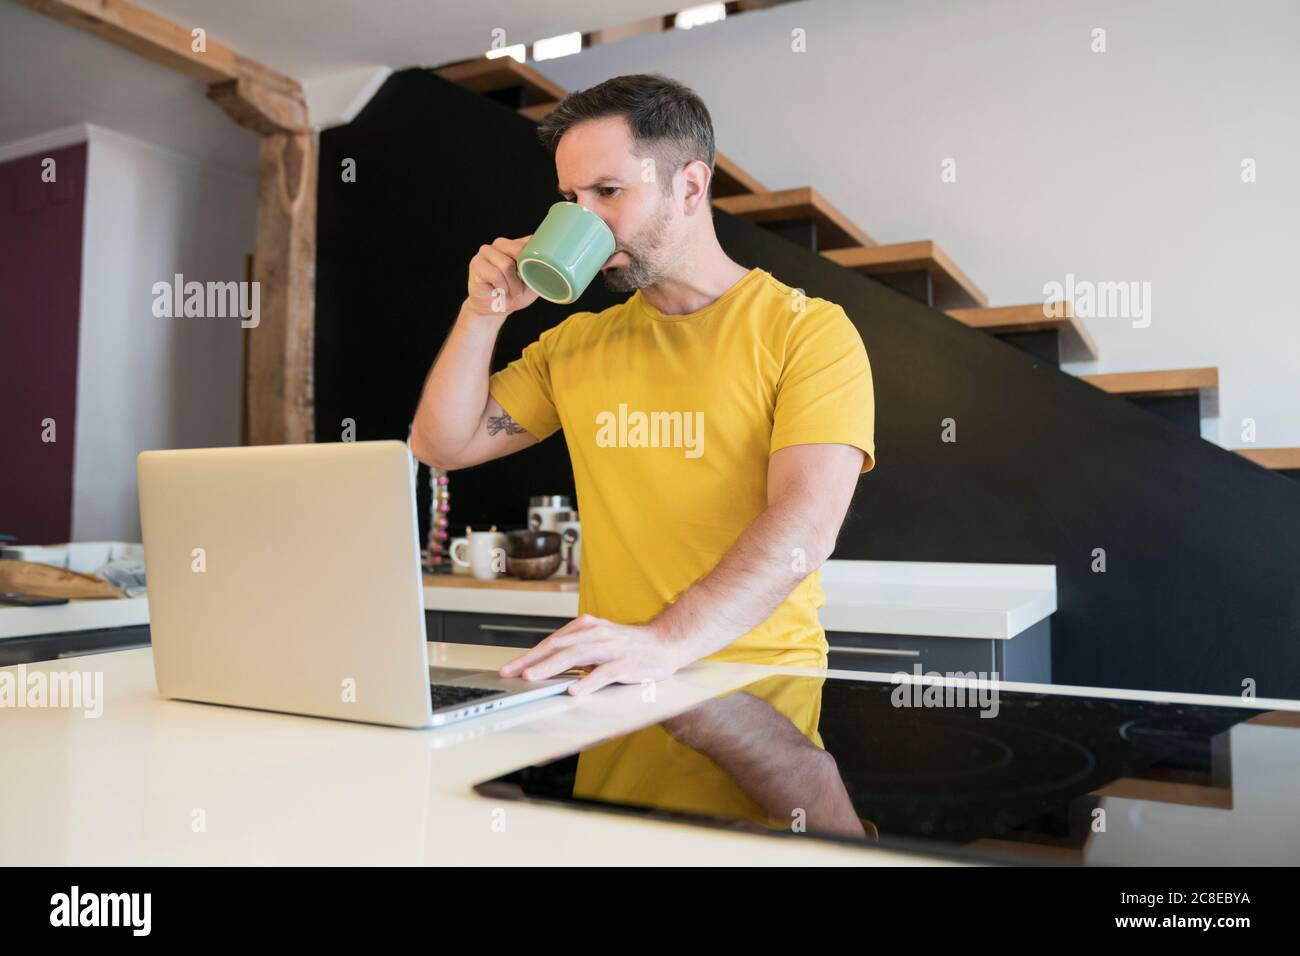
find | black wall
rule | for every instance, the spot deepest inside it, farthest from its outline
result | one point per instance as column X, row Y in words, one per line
column 1202, row 587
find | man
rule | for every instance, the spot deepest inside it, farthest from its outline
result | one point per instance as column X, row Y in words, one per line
column 717, row 421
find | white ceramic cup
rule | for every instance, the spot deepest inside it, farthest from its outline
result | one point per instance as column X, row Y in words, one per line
column 484, row 554
column 457, row 568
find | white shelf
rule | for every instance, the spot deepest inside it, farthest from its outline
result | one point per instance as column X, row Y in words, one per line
column 73, row 616
column 933, row 599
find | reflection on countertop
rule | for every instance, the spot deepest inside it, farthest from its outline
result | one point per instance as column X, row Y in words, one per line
column 918, row 766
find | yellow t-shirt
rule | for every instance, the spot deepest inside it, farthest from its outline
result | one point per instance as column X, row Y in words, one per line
column 670, row 420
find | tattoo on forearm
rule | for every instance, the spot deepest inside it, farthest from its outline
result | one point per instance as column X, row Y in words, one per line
column 503, row 423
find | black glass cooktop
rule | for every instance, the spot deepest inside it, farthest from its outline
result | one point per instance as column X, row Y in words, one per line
column 1006, row 777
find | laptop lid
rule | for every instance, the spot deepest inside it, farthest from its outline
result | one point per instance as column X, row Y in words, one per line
column 287, row 578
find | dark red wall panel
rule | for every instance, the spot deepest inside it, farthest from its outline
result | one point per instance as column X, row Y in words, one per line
column 40, row 295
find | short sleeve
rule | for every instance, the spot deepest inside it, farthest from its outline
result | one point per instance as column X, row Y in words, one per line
column 824, row 394
column 523, row 388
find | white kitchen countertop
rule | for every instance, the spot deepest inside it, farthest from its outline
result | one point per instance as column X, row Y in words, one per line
column 920, row 598
column 73, row 616
column 125, row 788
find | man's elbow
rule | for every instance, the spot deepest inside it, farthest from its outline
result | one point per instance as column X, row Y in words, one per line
column 430, row 453
column 817, row 536
column 827, row 522
column 823, row 548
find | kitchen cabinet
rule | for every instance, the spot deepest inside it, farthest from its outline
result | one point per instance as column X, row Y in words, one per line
column 1025, row 657
column 498, row 630
column 49, row 647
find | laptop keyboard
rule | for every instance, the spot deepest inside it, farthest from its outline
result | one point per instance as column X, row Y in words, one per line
column 448, row 695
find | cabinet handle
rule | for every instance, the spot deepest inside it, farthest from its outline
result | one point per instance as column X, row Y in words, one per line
column 873, row 651
column 516, row 627
column 98, row 650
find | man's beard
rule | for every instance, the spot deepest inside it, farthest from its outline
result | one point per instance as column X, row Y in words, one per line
column 647, row 264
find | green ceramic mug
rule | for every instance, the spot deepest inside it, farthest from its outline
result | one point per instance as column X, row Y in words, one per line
column 565, row 252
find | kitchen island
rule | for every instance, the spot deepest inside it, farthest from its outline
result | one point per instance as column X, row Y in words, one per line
column 879, row 615
column 162, row 782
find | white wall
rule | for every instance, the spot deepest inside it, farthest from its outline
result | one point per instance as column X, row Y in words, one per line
column 1123, row 165
column 53, row 76
column 145, row 382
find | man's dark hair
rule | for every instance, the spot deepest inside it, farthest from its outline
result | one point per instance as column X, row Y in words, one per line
column 668, row 120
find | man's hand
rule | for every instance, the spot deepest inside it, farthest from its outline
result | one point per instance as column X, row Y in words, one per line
column 618, row 654
column 494, row 285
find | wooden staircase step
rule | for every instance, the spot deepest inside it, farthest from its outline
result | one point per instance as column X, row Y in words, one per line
column 483, row 75
column 1165, row 383
column 952, row 288
column 1076, row 344
column 538, row 112
column 834, row 229
column 1277, row 459
column 728, row 178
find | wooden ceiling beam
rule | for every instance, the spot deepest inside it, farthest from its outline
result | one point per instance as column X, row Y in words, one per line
column 263, row 110
column 156, row 38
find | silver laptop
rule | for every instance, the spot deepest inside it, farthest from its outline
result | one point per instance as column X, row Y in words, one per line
column 287, row 578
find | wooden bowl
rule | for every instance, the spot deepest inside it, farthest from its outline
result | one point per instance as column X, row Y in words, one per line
column 533, row 569
column 532, row 544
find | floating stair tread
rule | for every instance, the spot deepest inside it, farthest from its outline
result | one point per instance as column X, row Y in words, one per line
column 730, row 180
column 834, row 229
column 952, row 287
column 1278, row 459
column 484, row 75
column 1163, row 383
column 538, row 111
column 1167, row 791
column 1076, row 344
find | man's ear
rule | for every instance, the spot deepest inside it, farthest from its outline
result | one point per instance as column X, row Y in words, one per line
column 696, row 176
